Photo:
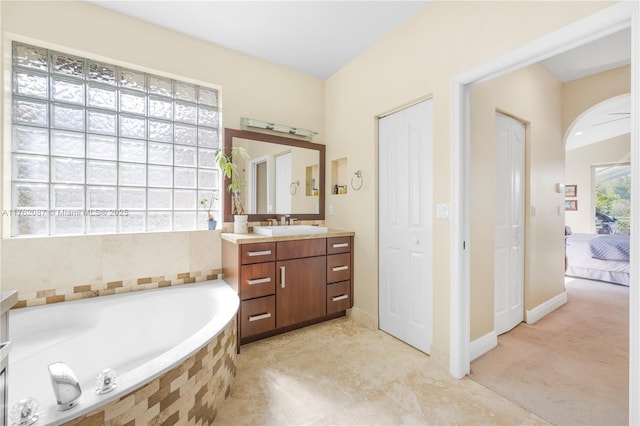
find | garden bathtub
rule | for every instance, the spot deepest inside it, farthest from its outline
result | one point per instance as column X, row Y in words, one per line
column 163, row 342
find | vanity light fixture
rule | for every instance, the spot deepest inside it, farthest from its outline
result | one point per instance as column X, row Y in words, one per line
column 250, row 122
column 254, row 123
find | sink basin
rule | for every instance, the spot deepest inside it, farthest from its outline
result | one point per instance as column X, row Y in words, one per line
column 276, row 231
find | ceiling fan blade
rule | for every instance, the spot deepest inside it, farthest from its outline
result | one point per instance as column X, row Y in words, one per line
column 610, row 121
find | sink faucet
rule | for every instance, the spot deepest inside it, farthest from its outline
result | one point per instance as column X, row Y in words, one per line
column 272, row 222
column 283, row 220
column 292, row 221
column 65, row 385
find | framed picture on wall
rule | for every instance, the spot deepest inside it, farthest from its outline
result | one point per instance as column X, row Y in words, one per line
column 571, row 204
column 571, row 191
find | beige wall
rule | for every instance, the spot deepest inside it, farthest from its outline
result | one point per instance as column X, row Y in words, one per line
column 580, row 95
column 249, row 87
column 577, row 97
column 417, row 60
column 578, row 172
column 533, row 96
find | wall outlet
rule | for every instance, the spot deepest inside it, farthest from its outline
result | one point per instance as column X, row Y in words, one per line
column 330, row 210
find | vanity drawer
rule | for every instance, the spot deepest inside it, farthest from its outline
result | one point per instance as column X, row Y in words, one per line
column 338, row 297
column 258, row 252
column 338, row 267
column 302, row 248
column 338, row 245
column 258, row 315
column 258, row 279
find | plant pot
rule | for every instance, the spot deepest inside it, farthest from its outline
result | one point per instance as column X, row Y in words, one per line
column 212, row 224
column 240, row 224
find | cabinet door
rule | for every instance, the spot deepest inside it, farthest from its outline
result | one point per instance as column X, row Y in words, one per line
column 301, row 290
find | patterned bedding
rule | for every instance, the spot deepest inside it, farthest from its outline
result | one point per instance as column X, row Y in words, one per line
column 610, row 247
column 582, row 263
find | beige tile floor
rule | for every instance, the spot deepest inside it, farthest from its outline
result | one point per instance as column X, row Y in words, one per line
column 340, row 372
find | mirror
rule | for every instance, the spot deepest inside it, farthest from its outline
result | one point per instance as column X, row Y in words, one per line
column 283, row 176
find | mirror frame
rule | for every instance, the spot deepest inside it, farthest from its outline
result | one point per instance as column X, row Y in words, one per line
column 229, row 134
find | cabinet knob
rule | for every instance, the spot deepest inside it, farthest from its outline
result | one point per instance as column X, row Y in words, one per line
column 417, row 241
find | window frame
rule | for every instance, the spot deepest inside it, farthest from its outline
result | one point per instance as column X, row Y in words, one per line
column 199, row 214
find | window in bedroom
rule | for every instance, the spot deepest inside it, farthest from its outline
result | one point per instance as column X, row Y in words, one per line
column 99, row 148
column 613, row 198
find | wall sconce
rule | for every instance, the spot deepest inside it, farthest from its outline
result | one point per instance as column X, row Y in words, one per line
column 250, row 122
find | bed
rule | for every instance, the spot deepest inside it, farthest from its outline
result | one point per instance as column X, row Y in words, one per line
column 598, row 257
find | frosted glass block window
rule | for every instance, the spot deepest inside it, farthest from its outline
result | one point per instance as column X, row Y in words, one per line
column 67, row 196
column 67, row 144
column 102, row 122
column 159, row 221
column 97, row 148
column 102, row 147
column 100, row 197
column 64, row 90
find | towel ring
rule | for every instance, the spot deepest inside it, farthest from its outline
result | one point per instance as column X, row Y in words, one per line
column 293, row 188
column 358, row 175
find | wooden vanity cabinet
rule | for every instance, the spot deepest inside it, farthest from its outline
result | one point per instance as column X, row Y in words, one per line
column 339, row 274
column 302, row 284
column 257, row 288
column 288, row 284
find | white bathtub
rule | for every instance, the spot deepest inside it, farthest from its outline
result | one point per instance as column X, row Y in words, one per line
column 140, row 334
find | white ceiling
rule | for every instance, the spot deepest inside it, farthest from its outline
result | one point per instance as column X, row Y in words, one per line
column 600, row 55
column 313, row 37
column 611, row 117
column 319, row 37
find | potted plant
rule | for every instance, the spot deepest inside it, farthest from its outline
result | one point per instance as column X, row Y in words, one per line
column 226, row 163
column 207, row 205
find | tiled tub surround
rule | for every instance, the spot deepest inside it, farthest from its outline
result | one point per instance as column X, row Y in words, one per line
column 173, row 350
column 191, row 393
column 82, row 266
column 98, row 288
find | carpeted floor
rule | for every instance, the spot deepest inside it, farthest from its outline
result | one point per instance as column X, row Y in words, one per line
column 571, row 367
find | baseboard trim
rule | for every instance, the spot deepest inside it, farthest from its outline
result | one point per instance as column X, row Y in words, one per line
column 363, row 318
column 482, row 345
column 544, row 309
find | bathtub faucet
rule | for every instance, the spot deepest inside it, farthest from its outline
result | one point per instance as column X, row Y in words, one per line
column 65, row 385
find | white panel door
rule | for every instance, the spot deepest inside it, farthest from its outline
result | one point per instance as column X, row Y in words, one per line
column 406, row 225
column 283, row 183
column 509, row 224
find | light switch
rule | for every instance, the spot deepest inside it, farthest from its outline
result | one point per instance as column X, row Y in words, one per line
column 330, row 210
column 443, row 211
